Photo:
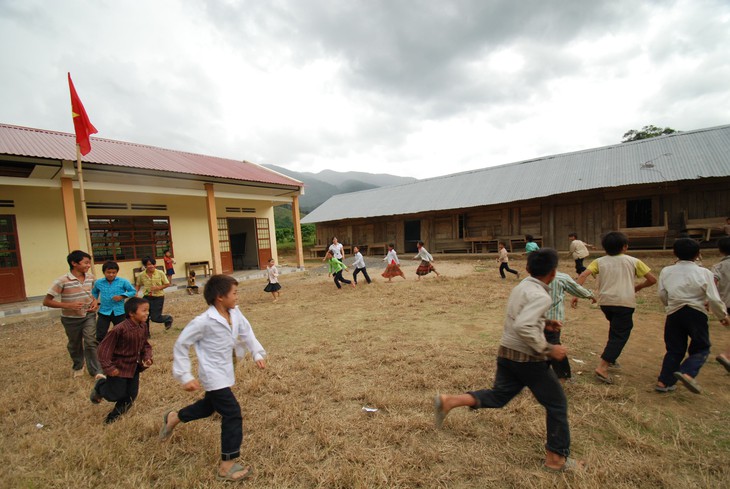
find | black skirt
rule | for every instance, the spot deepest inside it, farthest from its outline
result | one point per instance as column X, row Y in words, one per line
column 272, row 287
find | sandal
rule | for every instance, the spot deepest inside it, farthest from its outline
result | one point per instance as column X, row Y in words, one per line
column 723, row 361
column 228, row 477
column 438, row 412
column 570, row 465
column 164, row 432
column 606, row 379
column 688, row 382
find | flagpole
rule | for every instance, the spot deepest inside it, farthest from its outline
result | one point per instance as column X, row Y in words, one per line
column 84, row 216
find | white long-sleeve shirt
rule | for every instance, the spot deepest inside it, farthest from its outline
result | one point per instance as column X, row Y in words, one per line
column 359, row 261
column 392, row 256
column 424, row 255
column 524, row 324
column 688, row 284
column 214, row 341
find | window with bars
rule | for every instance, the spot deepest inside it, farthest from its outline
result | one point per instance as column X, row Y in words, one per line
column 263, row 234
column 224, row 241
column 128, row 238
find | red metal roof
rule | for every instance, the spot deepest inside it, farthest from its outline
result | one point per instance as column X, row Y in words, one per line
column 41, row 143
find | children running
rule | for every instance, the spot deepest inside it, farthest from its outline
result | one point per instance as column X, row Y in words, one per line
column 684, row 289
column 503, row 260
column 272, row 277
column 426, row 265
column 578, row 251
column 558, row 287
column 335, row 268
column 359, row 266
column 215, row 334
column 78, row 312
column 521, row 362
column 124, row 353
column 721, row 271
column 530, row 244
column 616, row 295
column 153, row 283
column 111, row 292
column 393, row 267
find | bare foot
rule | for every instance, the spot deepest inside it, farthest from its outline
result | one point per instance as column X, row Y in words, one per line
column 227, row 466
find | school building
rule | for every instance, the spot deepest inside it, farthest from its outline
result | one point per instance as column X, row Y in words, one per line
column 215, row 215
column 652, row 190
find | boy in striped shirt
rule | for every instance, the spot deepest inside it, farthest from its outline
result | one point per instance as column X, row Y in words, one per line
column 78, row 312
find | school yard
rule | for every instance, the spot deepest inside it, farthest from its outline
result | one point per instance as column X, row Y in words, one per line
column 385, row 346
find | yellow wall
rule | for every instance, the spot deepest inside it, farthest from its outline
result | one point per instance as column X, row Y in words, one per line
column 42, row 236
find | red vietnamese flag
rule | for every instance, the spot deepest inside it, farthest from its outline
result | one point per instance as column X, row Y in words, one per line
column 82, row 125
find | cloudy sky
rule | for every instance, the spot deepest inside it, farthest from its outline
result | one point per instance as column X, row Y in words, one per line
column 412, row 88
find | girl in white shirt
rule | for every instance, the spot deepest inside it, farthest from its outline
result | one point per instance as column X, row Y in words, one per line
column 272, row 276
column 393, row 268
column 426, row 265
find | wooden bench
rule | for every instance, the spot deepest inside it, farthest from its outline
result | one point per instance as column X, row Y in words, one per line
column 446, row 245
column 192, row 265
column 371, row 247
column 649, row 232
column 486, row 242
column 703, row 228
column 314, row 251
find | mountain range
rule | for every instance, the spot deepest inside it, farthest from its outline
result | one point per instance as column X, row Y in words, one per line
column 318, row 187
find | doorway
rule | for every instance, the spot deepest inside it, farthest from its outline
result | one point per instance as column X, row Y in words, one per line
column 12, row 285
column 242, row 234
column 411, row 235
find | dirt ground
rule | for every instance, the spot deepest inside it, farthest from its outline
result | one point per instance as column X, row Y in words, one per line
column 388, row 346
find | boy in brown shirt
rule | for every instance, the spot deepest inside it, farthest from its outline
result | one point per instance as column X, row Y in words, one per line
column 123, row 354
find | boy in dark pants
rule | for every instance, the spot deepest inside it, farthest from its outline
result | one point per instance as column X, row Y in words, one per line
column 684, row 289
column 215, row 334
column 111, row 292
column 521, row 362
column 616, row 295
column 123, row 354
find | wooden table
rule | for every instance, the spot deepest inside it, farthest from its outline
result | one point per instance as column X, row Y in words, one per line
column 481, row 240
column 372, row 246
column 192, row 265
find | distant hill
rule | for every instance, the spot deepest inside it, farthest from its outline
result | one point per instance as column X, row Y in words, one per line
column 319, row 187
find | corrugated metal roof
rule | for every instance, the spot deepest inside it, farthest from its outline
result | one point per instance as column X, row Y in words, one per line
column 40, row 143
column 690, row 155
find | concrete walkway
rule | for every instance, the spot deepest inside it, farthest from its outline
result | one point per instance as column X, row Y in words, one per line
column 34, row 308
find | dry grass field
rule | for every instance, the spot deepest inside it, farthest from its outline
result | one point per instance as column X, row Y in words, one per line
column 387, row 346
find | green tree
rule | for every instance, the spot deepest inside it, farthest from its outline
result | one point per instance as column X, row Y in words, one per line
column 646, row 132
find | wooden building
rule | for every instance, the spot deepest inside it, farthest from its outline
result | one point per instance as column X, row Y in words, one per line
column 652, row 190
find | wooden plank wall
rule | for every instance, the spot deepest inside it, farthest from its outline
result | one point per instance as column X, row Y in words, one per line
column 589, row 214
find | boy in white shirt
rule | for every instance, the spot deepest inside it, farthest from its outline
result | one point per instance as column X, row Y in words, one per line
column 616, row 295
column 684, row 288
column 522, row 362
column 578, row 251
column 215, row 334
column 359, row 266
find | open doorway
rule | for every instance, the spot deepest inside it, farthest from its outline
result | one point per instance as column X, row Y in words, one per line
column 242, row 234
column 411, row 235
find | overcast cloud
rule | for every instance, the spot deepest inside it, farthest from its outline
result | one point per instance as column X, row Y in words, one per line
column 412, row 88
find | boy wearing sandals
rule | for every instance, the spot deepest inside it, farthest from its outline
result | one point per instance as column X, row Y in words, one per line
column 684, row 288
column 214, row 334
column 522, row 362
column 123, row 354
column 616, row 295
